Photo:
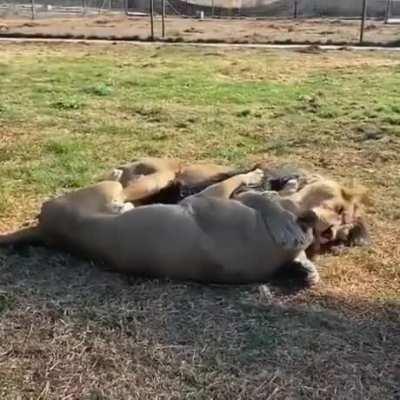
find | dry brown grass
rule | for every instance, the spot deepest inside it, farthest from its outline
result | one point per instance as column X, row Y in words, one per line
column 75, row 332
column 69, row 330
column 250, row 30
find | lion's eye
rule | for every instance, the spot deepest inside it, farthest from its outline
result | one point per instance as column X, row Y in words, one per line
column 340, row 209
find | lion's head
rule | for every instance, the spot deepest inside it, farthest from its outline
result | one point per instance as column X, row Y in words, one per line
column 338, row 208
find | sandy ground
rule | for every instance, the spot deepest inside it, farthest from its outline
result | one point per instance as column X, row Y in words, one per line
column 232, row 31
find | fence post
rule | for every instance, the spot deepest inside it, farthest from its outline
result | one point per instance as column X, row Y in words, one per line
column 363, row 19
column 126, row 7
column 296, row 4
column 388, row 8
column 152, row 19
column 33, row 9
column 163, row 18
column 84, row 7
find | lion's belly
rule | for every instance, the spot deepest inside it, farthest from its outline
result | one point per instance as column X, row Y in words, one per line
column 251, row 256
column 160, row 241
column 241, row 243
column 172, row 242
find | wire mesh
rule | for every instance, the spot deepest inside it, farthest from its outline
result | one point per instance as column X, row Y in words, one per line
column 317, row 21
column 208, row 8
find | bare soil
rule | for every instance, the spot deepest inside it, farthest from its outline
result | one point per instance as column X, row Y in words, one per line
column 321, row 31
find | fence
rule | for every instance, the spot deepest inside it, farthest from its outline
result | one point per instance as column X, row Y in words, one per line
column 384, row 9
column 338, row 20
column 51, row 8
column 275, row 8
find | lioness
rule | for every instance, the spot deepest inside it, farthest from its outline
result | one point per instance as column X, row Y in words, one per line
column 155, row 180
column 208, row 237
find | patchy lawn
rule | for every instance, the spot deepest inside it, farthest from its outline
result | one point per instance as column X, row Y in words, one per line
column 71, row 331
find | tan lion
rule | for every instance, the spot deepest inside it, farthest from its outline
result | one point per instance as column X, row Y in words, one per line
column 339, row 208
column 64, row 221
column 207, row 237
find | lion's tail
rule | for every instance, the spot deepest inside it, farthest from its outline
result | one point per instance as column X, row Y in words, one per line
column 29, row 235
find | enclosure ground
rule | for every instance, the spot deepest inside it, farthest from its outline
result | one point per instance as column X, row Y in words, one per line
column 322, row 31
column 69, row 330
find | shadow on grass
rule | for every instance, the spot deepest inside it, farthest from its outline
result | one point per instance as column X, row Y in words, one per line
column 61, row 315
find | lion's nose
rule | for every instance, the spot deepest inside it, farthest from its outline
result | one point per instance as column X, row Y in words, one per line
column 347, row 218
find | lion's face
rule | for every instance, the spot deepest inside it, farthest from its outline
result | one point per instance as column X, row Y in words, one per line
column 338, row 208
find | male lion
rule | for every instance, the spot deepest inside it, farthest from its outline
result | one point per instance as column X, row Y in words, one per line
column 155, row 180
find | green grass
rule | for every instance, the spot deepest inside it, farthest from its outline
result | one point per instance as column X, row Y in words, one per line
column 68, row 113
column 177, row 102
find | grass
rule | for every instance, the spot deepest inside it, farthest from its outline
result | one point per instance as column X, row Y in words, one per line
column 68, row 330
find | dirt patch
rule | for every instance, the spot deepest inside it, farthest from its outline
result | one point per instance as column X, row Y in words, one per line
column 323, row 31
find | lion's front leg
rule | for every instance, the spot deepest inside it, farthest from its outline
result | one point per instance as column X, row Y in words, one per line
column 312, row 274
column 226, row 188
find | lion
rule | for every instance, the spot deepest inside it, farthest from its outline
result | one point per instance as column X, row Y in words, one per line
column 155, row 180
column 208, row 237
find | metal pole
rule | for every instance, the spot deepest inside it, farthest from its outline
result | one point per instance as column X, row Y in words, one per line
column 212, row 8
column 152, row 19
column 163, row 18
column 388, row 8
column 363, row 19
column 33, row 9
column 126, row 7
column 296, row 3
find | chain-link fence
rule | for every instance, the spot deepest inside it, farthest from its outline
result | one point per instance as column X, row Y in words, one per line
column 275, row 8
column 52, row 8
column 242, row 21
column 383, row 9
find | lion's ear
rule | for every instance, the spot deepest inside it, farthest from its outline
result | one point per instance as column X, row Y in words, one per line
column 357, row 193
